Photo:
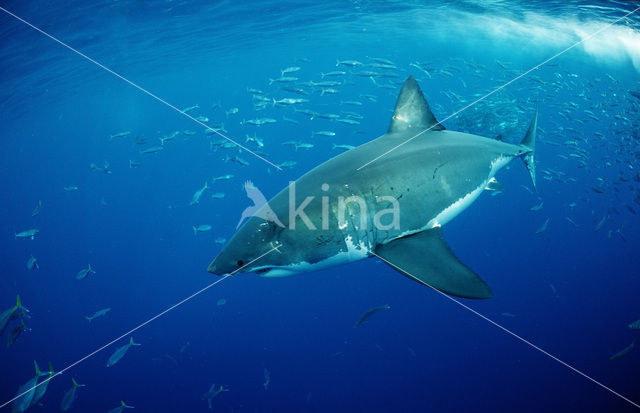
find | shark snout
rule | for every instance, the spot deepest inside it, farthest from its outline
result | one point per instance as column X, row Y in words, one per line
column 226, row 263
column 212, row 268
column 217, row 268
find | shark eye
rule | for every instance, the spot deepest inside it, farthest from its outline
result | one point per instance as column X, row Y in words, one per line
column 240, row 263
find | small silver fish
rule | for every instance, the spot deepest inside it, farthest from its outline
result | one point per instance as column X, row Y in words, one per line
column 152, row 149
column 288, row 164
column 283, row 79
column 120, row 408
column 36, row 210
column 196, row 196
column 29, row 233
column 99, row 313
column 120, row 135
column 32, row 264
column 84, row 272
column 70, row 396
column 190, row 108
column 290, row 69
column 222, row 177
column 120, row 352
column 543, row 228
column 333, row 73
column 351, row 63
column 324, row 133
column 624, row 351
column 369, row 313
column 201, row 228
column 537, row 207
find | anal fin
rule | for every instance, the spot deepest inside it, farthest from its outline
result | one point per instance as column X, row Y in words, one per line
column 426, row 258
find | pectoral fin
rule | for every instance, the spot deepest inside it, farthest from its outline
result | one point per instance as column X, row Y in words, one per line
column 426, row 258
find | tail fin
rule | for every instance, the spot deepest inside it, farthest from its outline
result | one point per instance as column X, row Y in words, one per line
column 75, row 383
column 38, row 372
column 88, row 318
column 529, row 143
column 195, row 230
column 18, row 303
column 132, row 343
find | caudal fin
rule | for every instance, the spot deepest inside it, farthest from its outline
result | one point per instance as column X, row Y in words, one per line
column 529, row 143
column 132, row 343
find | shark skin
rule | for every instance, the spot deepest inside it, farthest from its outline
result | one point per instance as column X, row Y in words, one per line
column 432, row 177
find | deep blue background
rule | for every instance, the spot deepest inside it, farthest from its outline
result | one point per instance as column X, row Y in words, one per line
column 426, row 353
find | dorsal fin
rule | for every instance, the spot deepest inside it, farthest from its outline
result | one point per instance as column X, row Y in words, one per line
column 412, row 112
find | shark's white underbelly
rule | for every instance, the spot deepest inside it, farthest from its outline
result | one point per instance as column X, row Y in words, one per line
column 355, row 252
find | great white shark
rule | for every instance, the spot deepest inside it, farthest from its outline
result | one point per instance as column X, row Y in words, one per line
column 423, row 184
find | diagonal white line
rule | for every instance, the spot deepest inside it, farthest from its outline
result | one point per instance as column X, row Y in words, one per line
column 500, row 87
column 138, row 87
column 506, row 330
column 139, row 326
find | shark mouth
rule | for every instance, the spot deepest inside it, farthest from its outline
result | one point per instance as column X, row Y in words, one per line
column 270, row 271
column 354, row 252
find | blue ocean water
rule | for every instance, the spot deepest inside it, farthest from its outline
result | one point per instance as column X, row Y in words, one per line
column 570, row 289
